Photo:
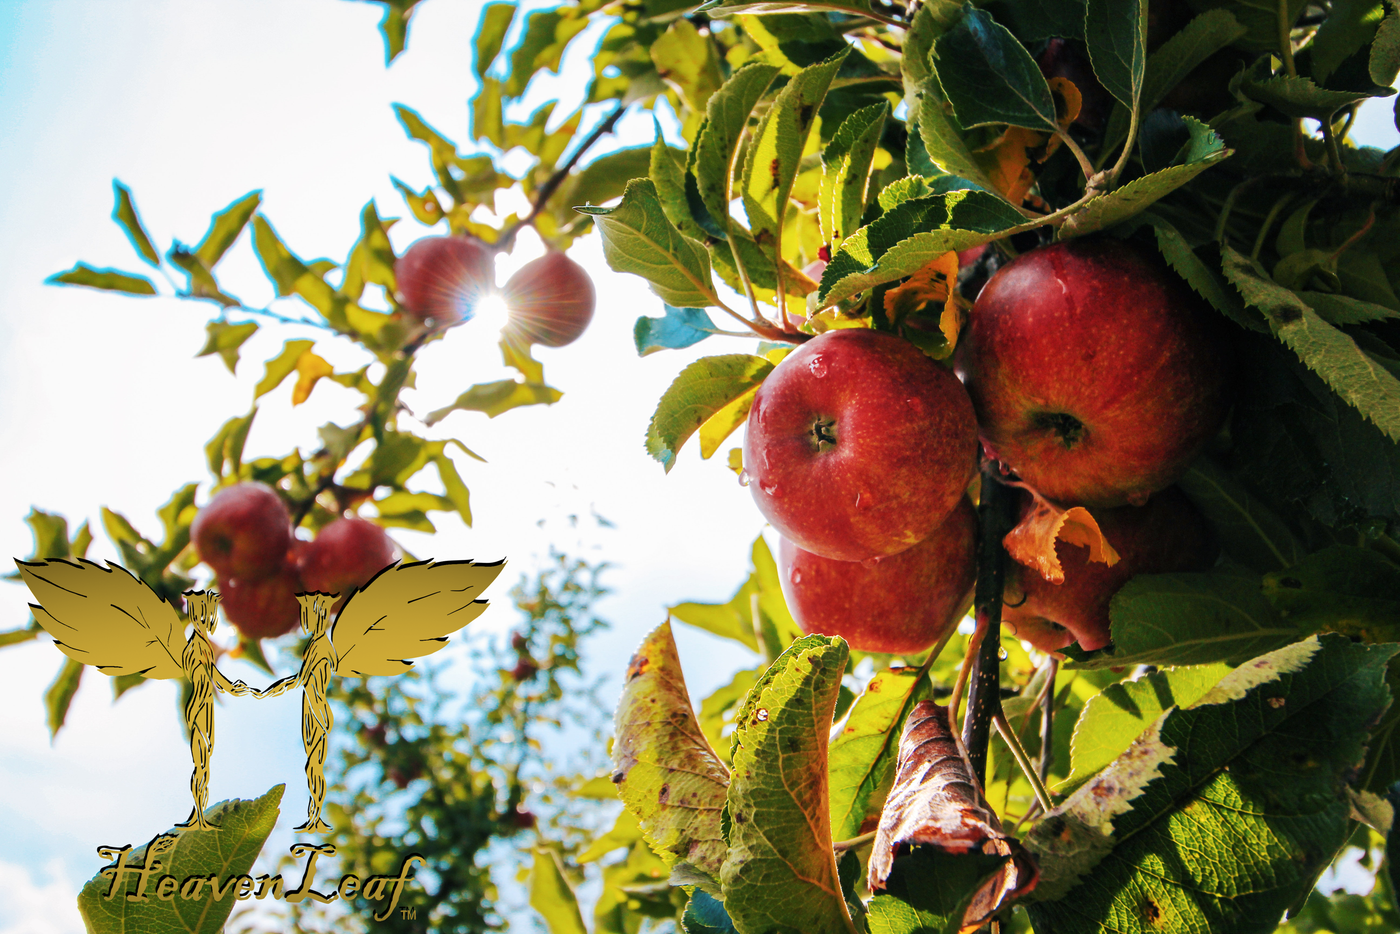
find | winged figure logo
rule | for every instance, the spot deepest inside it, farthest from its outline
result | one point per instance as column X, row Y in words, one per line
column 108, row 618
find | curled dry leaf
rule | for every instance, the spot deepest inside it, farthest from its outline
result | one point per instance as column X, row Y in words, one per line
column 936, row 802
column 1032, row 542
column 930, row 293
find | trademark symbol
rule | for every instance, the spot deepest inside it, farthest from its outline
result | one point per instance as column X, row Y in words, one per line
column 408, row 914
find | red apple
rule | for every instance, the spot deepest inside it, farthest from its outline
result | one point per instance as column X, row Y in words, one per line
column 1097, row 374
column 901, row 604
column 344, row 556
column 549, row 300
column 441, row 279
column 263, row 609
column 858, row 445
column 245, row 532
column 1165, row 536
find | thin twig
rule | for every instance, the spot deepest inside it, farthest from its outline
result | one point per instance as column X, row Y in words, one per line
column 1047, row 722
column 1018, row 752
column 841, row 846
column 1084, row 164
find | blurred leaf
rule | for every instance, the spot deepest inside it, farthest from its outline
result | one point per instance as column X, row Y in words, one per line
column 1116, row 34
column 862, row 759
column 780, row 872
column 16, row 636
column 1203, row 150
column 1384, row 62
column 638, row 238
column 1370, row 388
column 679, row 327
column 225, row 339
column 717, row 710
column 732, row 7
column 625, row 831
column 1249, row 532
column 687, row 60
column 664, row 768
column 424, row 205
column 226, row 447
column 123, row 683
column 1114, row 718
column 546, row 34
column 700, row 391
column 495, row 398
column 989, row 77
column 59, row 694
column 846, row 171
column 224, row 853
column 201, row 282
column 310, row 370
column 452, row 483
column 726, row 115
column 281, row 366
column 490, row 33
column 112, row 280
column 371, row 260
column 394, row 26
column 50, row 533
column 224, row 228
column 1342, row 589
column 124, row 213
column 772, row 159
column 1220, row 815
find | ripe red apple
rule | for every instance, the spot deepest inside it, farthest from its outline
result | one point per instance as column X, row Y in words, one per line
column 858, row 445
column 549, row 300
column 900, row 604
column 442, row 279
column 265, row 608
column 344, row 556
column 1097, row 374
column 244, row 532
column 1165, row 536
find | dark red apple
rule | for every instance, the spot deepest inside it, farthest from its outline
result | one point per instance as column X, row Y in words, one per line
column 1097, row 374
column 442, row 279
column 244, row 532
column 858, row 445
column 901, row 604
column 1167, row 535
column 549, row 301
column 263, row 609
column 344, row 556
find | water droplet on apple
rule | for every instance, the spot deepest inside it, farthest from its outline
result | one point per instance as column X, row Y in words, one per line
column 795, row 575
column 743, row 478
column 818, row 366
column 870, row 562
column 864, row 500
column 769, row 488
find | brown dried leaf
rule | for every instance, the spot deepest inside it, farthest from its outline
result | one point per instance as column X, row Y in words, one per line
column 1032, row 542
column 936, row 802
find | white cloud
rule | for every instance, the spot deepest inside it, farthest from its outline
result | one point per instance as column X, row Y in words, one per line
column 43, row 902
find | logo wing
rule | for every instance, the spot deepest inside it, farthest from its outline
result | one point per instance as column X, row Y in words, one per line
column 105, row 617
column 408, row 611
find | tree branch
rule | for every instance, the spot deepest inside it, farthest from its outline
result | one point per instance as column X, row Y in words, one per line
column 994, row 520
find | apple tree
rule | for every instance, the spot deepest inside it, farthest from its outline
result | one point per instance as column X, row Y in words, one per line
column 1081, row 313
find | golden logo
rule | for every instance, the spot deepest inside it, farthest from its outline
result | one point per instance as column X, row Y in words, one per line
column 108, row 618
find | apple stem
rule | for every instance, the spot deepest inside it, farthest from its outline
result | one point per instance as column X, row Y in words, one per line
column 1047, row 720
column 994, row 519
column 1018, row 752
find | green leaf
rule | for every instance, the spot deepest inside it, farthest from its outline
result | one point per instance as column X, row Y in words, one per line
column 700, row 391
column 680, row 327
column 281, row 366
column 394, row 27
column 497, row 397
column 59, row 694
column 224, row 228
column 1116, row 33
column 929, row 891
column 1203, row 150
column 1203, row 277
column 1201, row 38
column 1352, row 374
column 1300, row 97
column 1112, row 719
column 457, row 494
column 664, row 768
column 225, row 339
column 1350, row 25
column 1343, row 309
column 112, row 280
column 16, row 636
column 638, row 238
column 705, row 914
column 1250, row 533
column 902, row 241
column 686, row 59
column 226, row 447
column 732, row 7
column 371, row 259
column 1384, row 62
column 846, row 171
column 772, row 159
column 717, row 710
column 990, row 78
column 490, row 33
column 50, row 532
column 625, row 831
column 547, row 32
column 931, row 116
column 780, row 872
column 1191, row 619
column 862, row 760
column 1219, row 816
column 726, row 115
column 227, row 852
column 124, row 213
column 1340, row 589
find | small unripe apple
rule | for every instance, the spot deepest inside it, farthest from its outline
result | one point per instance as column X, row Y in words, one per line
column 244, row 532
column 1097, row 374
column 858, row 445
column 263, row 609
column 549, row 300
column 1165, row 536
column 344, row 556
column 901, row 604
column 441, row 280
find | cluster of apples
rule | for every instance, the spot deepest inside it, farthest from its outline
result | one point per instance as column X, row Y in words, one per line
column 245, row 534
column 441, row 280
column 1088, row 371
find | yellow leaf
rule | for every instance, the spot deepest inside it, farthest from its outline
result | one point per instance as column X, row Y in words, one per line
column 310, row 368
column 1032, row 542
